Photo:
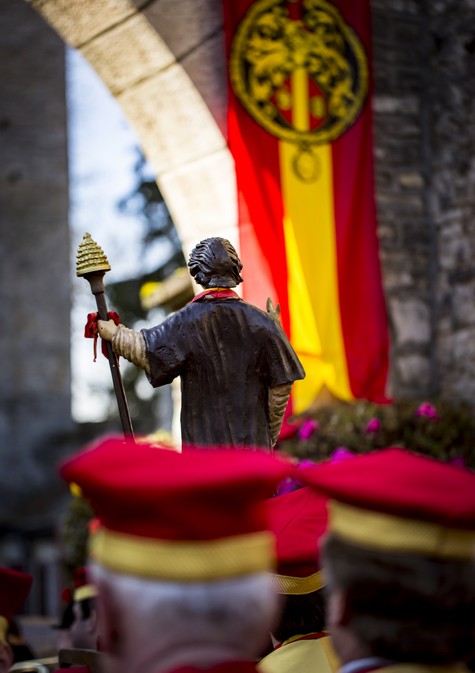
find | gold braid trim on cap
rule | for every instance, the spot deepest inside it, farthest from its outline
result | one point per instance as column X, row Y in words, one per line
column 85, row 592
column 297, row 586
column 3, row 629
column 386, row 532
column 184, row 561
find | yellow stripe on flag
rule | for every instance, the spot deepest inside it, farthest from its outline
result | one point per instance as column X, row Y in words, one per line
column 309, row 226
column 315, row 326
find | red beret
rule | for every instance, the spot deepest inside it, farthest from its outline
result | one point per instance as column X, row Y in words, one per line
column 83, row 587
column 298, row 520
column 396, row 500
column 14, row 588
column 154, row 503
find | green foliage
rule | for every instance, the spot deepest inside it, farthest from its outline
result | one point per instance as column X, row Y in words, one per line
column 75, row 533
column 441, row 429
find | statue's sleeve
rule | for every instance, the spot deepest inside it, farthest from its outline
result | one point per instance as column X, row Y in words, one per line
column 278, row 398
column 283, row 364
column 166, row 350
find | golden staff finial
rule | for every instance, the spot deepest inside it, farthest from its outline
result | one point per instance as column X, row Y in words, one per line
column 90, row 257
column 92, row 264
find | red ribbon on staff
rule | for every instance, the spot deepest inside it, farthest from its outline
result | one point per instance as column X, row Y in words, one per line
column 91, row 330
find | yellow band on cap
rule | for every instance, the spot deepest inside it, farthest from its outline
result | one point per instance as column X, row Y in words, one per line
column 3, row 629
column 297, row 586
column 85, row 592
column 386, row 532
column 184, row 561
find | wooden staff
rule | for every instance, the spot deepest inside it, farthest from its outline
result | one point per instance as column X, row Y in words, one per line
column 92, row 264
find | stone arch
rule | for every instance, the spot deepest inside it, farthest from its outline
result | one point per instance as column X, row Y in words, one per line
column 164, row 62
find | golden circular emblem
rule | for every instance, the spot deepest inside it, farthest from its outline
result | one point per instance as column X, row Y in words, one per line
column 299, row 70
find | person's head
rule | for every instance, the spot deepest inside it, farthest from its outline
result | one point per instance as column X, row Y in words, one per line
column 402, row 606
column 215, row 263
column 398, row 557
column 202, row 622
column 84, row 628
column 63, row 640
column 182, row 556
column 14, row 588
column 298, row 520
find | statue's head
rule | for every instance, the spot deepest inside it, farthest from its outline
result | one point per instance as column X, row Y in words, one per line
column 215, row 263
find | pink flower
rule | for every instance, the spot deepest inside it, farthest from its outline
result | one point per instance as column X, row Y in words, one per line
column 373, row 426
column 428, row 410
column 308, row 428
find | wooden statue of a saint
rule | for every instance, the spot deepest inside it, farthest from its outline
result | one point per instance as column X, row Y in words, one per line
column 235, row 361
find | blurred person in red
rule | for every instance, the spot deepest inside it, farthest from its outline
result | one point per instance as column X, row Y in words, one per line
column 301, row 643
column 182, row 555
column 398, row 559
column 14, row 589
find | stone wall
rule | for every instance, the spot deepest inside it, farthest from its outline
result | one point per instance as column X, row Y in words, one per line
column 402, row 165
column 35, row 288
column 424, row 57
column 452, row 25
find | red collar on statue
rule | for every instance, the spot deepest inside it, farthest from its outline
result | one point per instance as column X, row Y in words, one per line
column 216, row 293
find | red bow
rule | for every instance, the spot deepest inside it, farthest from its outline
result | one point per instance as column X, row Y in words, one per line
column 91, row 330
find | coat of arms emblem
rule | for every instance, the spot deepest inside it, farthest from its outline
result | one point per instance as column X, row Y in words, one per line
column 299, row 70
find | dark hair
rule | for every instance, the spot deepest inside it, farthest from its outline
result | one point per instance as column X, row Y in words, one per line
column 215, row 263
column 302, row 614
column 405, row 607
column 67, row 617
column 87, row 606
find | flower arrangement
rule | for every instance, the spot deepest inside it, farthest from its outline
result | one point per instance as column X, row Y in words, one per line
column 442, row 429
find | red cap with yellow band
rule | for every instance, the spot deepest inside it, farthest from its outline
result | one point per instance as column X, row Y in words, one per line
column 84, row 589
column 397, row 501
column 14, row 589
column 196, row 515
column 298, row 520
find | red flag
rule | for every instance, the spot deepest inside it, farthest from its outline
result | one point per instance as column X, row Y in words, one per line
column 300, row 131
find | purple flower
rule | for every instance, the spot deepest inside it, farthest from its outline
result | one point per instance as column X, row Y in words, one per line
column 458, row 461
column 428, row 410
column 373, row 426
column 341, row 453
column 288, row 485
column 305, row 463
column 308, row 428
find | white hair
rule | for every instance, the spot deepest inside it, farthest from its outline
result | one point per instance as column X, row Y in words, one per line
column 200, row 623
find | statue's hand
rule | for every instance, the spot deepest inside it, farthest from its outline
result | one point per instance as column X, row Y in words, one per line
column 273, row 312
column 107, row 329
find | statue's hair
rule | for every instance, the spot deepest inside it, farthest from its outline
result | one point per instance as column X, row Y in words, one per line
column 215, row 263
